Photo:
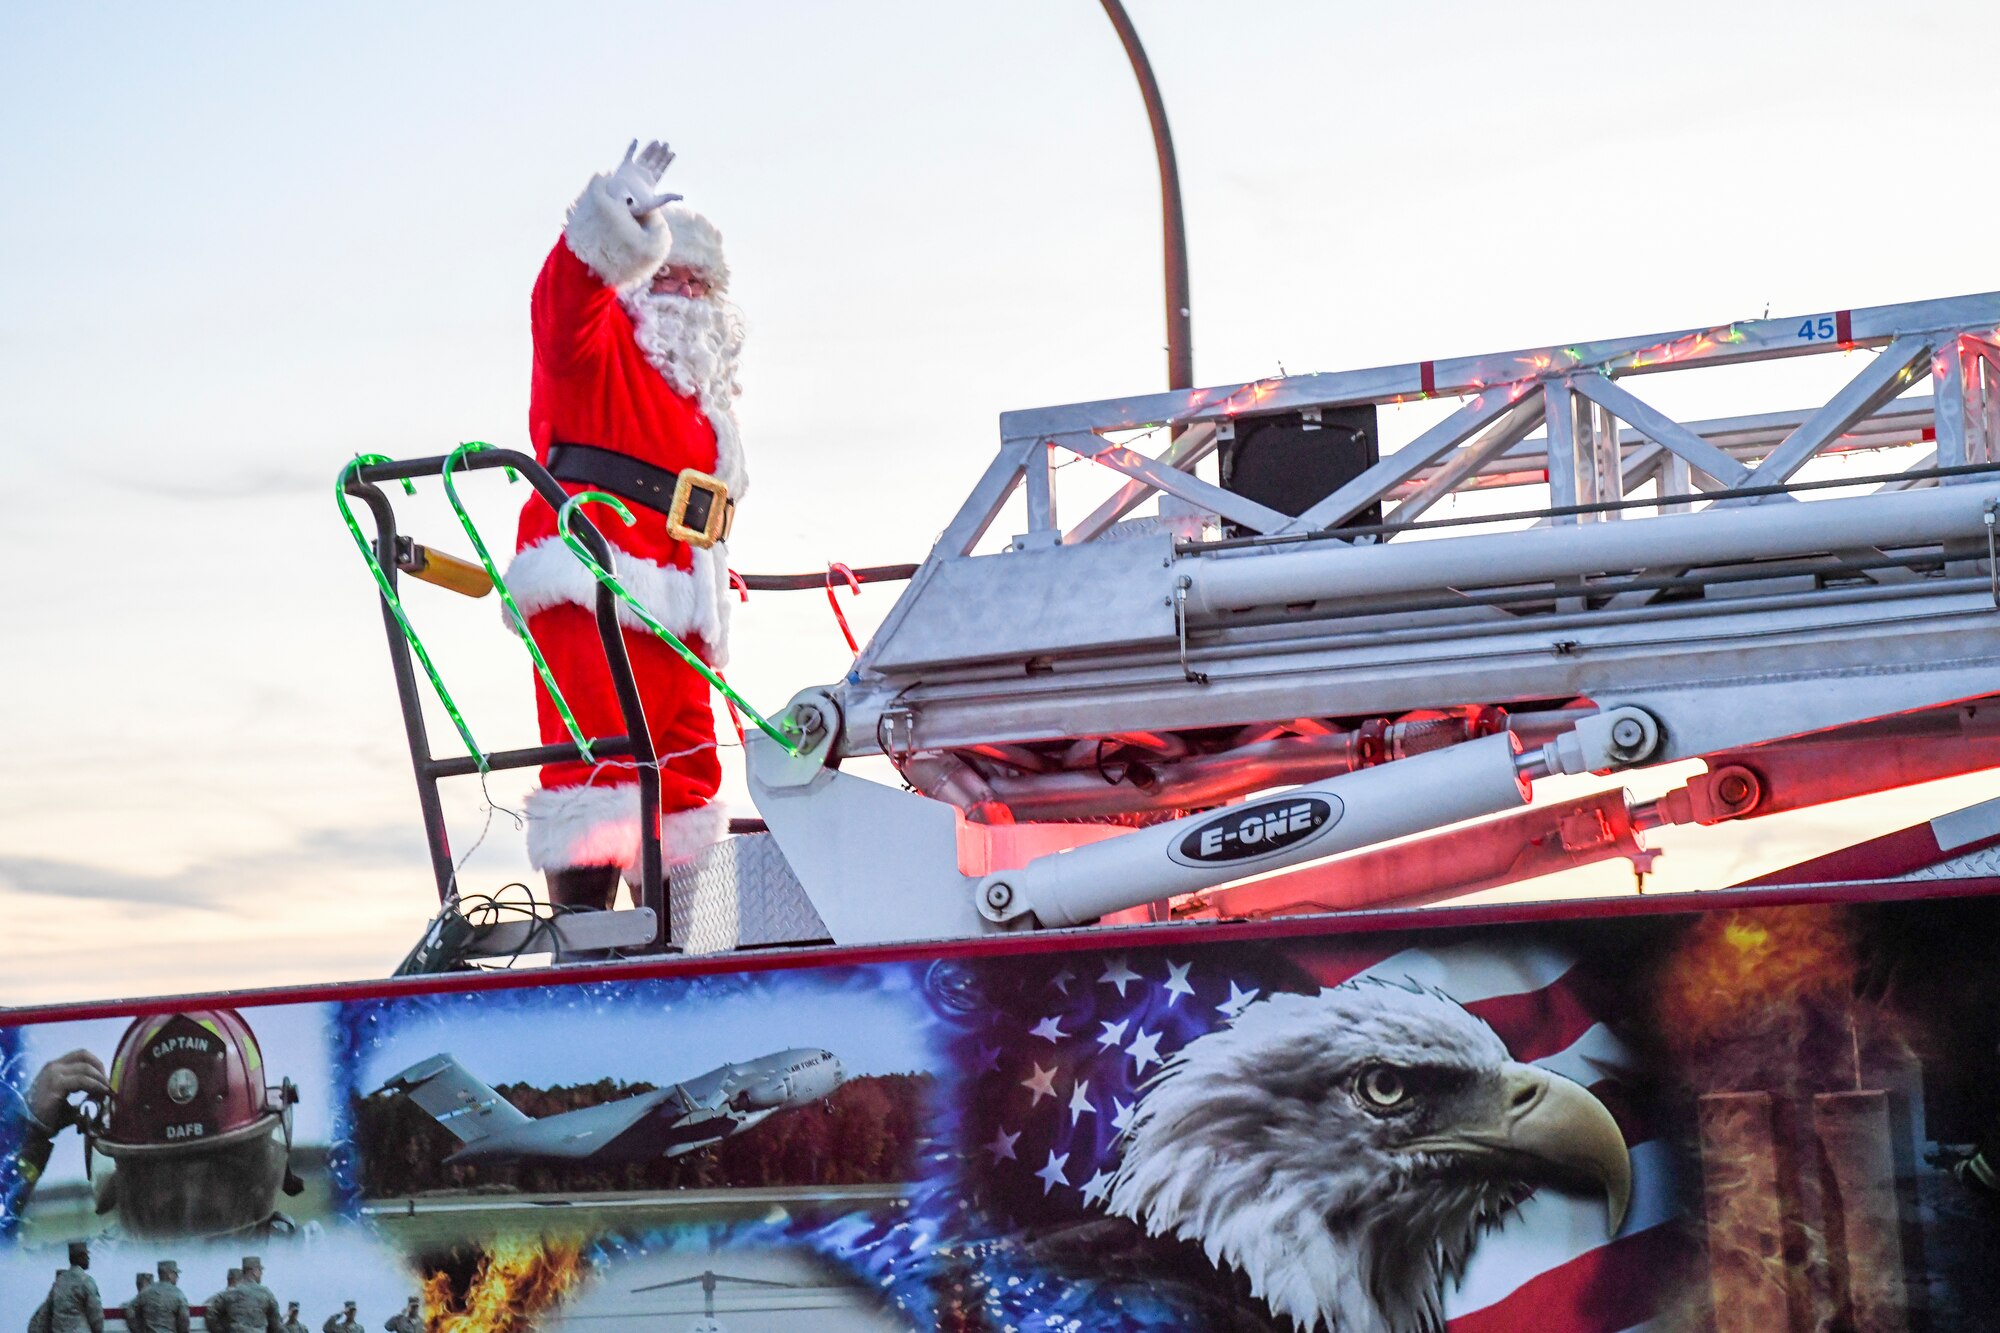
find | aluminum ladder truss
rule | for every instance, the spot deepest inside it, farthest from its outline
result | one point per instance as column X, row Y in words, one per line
column 1666, row 590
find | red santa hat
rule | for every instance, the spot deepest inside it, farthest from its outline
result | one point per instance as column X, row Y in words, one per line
column 697, row 245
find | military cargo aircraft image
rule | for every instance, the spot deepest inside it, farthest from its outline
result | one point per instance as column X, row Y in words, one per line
column 666, row 1122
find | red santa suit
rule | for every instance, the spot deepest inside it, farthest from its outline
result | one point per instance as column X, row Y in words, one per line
column 651, row 377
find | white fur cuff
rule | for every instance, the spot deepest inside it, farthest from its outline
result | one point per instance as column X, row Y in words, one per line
column 690, row 602
column 617, row 247
column 583, row 826
column 599, row 826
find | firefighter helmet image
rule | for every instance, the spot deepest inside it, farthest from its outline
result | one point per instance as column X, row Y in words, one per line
column 200, row 1133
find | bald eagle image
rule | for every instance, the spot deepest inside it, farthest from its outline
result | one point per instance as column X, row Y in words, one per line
column 1328, row 1162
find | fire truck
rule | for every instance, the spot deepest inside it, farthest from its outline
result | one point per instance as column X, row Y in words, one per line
column 1150, row 982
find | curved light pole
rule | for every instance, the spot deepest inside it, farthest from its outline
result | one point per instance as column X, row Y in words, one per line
column 1180, row 321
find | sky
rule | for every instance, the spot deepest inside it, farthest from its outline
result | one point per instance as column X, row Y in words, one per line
column 240, row 244
column 874, row 1024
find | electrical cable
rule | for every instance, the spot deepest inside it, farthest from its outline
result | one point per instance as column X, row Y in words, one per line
column 485, row 911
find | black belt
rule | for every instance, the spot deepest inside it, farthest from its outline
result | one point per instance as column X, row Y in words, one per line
column 697, row 506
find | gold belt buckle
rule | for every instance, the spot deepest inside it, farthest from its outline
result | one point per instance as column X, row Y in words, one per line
column 702, row 512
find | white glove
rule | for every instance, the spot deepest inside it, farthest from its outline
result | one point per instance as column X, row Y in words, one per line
column 616, row 226
column 634, row 182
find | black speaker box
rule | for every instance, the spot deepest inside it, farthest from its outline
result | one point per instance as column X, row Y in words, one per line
column 1290, row 462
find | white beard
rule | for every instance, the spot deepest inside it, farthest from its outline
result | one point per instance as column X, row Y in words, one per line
column 694, row 345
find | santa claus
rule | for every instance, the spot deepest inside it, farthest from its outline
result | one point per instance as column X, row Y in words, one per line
column 633, row 393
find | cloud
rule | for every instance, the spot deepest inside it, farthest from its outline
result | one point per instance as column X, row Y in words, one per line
column 217, row 882
column 51, row 878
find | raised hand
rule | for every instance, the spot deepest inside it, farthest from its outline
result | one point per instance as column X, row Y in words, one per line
column 639, row 173
column 655, row 159
column 59, row 1080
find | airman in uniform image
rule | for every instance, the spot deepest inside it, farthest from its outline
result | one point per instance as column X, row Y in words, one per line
column 252, row 1307
column 344, row 1322
column 409, row 1321
column 216, row 1312
column 38, row 1322
column 74, row 1305
column 292, row 1324
column 160, row 1307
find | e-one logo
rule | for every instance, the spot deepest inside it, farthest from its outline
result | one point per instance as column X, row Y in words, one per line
column 1259, row 829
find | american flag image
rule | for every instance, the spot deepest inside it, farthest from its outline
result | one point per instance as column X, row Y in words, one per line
column 1055, row 1056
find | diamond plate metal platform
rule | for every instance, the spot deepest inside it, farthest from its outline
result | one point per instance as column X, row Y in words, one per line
column 1982, row 864
column 741, row 893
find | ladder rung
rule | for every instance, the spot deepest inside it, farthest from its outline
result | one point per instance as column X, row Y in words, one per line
column 533, row 757
column 632, row 928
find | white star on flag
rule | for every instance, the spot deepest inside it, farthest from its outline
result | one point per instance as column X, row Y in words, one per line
column 1118, row 974
column 1145, row 1049
column 1062, row 979
column 1079, row 1103
column 1050, row 1029
column 1121, row 1115
column 1002, row 1146
column 1177, row 982
column 1052, row 1174
column 989, row 1058
column 1114, row 1034
column 1042, row 1083
column 1097, row 1187
column 1238, row 1000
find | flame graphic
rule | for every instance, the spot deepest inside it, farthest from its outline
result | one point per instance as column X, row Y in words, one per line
column 514, row 1280
column 1779, row 998
column 1754, row 974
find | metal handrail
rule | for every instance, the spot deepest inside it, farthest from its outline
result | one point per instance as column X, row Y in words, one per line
column 636, row 743
column 1348, row 534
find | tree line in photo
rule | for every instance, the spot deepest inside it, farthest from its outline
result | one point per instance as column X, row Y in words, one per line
column 868, row 1134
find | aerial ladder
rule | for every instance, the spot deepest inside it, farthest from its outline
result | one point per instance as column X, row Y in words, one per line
column 1211, row 698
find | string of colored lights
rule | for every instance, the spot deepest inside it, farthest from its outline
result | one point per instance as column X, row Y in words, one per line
column 1665, row 354
column 395, row 603
column 632, row 604
column 515, row 620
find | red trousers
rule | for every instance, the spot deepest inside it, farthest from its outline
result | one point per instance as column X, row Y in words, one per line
column 587, row 814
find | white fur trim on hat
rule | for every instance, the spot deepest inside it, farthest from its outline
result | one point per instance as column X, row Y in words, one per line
column 689, row 602
column 583, row 826
column 697, row 245
column 619, row 248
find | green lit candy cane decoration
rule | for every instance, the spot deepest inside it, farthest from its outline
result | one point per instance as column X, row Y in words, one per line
column 395, row 603
column 515, row 620
column 610, row 580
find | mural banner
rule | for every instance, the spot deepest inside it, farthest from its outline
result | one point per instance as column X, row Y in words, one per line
column 1771, row 1113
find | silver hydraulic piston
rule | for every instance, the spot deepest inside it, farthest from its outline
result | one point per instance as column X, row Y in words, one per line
column 880, row 864
column 1307, row 823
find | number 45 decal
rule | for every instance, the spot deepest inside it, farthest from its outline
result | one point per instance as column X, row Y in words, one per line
column 1817, row 329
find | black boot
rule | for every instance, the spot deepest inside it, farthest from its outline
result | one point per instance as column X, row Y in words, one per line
column 583, row 888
